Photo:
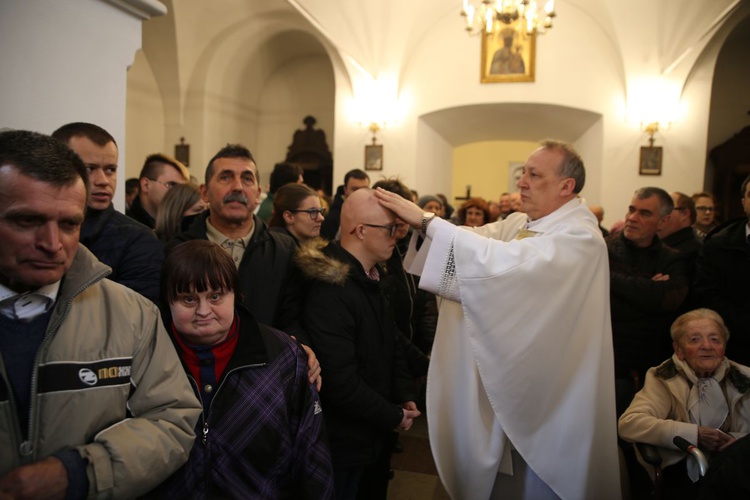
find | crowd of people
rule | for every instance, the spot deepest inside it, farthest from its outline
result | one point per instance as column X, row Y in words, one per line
column 213, row 343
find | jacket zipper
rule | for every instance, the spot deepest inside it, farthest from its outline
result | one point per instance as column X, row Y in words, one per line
column 27, row 447
column 206, row 417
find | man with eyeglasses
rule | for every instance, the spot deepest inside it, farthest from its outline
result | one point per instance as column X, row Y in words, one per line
column 159, row 173
column 723, row 276
column 368, row 391
column 128, row 247
column 679, row 234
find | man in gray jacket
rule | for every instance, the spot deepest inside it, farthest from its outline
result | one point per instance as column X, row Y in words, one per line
column 93, row 401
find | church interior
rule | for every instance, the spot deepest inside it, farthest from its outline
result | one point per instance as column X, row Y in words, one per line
column 204, row 74
column 318, row 82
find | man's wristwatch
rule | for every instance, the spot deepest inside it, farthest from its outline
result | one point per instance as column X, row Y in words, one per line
column 426, row 219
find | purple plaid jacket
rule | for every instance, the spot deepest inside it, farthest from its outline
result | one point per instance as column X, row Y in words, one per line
column 263, row 434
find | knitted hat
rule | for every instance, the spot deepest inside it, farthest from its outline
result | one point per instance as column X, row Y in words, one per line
column 424, row 200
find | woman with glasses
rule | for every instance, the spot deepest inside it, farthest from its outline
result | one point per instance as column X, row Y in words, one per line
column 297, row 211
column 705, row 211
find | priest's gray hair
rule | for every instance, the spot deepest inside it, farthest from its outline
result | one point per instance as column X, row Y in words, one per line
column 572, row 164
column 679, row 326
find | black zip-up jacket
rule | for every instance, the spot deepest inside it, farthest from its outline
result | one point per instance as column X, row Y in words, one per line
column 352, row 331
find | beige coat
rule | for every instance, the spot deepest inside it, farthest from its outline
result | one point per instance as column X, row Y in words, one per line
column 107, row 383
column 659, row 412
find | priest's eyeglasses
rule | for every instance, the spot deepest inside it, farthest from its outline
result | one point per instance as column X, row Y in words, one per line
column 312, row 212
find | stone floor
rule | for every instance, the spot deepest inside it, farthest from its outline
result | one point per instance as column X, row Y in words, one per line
column 415, row 476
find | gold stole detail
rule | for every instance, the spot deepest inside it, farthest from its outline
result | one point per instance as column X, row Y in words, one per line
column 525, row 233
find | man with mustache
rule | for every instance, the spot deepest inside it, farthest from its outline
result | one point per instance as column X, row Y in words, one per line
column 127, row 246
column 263, row 257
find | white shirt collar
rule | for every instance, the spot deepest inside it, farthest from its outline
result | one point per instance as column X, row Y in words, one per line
column 41, row 300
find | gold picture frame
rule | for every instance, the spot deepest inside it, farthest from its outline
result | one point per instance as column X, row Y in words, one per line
column 508, row 55
column 374, row 157
column 650, row 162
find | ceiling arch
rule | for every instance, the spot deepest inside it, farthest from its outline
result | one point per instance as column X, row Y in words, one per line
column 510, row 121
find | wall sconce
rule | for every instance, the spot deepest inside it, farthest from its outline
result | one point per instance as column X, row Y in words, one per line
column 374, row 151
column 655, row 104
column 652, row 128
column 651, row 156
column 376, row 105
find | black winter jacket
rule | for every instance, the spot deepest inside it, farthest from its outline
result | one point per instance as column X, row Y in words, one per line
column 643, row 309
column 353, row 333
column 128, row 247
column 722, row 285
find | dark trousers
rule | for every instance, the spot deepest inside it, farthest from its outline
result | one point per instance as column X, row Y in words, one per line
column 346, row 481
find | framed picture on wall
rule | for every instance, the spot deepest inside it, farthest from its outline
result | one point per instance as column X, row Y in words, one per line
column 182, row 152
column 374, row 157
column 508, row 55
column 650, row 163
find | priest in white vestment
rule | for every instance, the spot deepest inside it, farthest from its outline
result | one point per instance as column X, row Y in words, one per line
column 522, row 366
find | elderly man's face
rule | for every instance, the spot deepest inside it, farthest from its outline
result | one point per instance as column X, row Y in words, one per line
column 233, row 191
column 39, row 229
column 541, row 183
column 643, row 220
column 701, row 346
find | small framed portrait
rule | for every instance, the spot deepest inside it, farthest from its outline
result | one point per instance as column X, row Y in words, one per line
column 508, row 54
column 650, row 163
column 374, row 157
column 182, row 152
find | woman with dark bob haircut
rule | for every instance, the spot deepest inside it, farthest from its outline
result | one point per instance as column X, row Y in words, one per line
column 297, row 211
column 261, row 434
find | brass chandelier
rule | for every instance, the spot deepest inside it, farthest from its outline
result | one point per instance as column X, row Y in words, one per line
column 490, row 15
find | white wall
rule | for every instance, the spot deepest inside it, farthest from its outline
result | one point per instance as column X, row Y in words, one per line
column 65, row 62
column 144, row 117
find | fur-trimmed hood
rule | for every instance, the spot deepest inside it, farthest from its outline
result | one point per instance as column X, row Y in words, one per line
column 319, row 260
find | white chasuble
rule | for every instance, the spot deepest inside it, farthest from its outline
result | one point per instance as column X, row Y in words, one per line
column 522, row 354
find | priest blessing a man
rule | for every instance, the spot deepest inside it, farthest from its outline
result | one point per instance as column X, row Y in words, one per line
column 520, row 391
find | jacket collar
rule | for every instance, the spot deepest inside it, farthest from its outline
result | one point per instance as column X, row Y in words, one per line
column 250, row 349
column 198, row 229
column 94, row 223
column 84, row 272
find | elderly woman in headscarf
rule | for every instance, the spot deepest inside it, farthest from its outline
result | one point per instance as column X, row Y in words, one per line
column 430, row 203
column 697, row 394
